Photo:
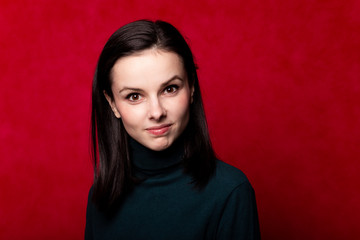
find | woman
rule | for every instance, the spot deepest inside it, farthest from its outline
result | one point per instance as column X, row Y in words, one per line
column 156, row 175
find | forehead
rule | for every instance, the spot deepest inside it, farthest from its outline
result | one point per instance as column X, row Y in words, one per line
column 148, row 67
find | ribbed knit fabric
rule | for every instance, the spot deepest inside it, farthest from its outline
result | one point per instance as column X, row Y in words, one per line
column 166, row 206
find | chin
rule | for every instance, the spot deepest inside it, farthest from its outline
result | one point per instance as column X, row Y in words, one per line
column 160, row 146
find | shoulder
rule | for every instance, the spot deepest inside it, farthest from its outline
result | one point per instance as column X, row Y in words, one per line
column 228, row 178
column 228, row 174
column 236, row 198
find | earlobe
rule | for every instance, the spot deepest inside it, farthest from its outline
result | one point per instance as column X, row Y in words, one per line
column 112, row 105
column 116, row 112
column 192, row 95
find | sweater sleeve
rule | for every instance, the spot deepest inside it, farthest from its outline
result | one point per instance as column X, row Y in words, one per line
column 88, row 226
column 239, row 218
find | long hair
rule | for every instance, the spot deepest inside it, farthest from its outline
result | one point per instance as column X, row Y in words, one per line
column 110, row 151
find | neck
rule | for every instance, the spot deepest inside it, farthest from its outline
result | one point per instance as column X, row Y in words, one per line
column 149, row 162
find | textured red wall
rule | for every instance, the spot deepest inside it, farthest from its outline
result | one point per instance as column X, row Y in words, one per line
column 281, row 84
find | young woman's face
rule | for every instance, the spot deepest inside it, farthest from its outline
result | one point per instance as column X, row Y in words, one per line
column 151, row 96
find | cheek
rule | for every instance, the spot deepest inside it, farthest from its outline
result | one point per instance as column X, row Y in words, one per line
column 131, row 116
column 180, row 107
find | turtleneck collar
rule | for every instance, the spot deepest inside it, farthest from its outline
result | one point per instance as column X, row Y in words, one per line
column 148, row 162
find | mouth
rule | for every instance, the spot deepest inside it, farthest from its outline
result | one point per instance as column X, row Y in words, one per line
column 159, row 130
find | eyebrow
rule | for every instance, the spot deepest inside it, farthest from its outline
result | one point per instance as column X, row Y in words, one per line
column 162, row 85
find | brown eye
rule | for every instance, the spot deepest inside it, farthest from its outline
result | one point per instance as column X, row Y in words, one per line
column 134, row 97
column 171, row 89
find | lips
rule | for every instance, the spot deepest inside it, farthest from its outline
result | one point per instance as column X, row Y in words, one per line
column 159, row 130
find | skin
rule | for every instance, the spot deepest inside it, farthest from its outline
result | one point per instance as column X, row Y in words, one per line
column 152, row 97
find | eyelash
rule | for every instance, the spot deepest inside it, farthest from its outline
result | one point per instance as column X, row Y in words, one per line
column 173, row 89
column 131, row 95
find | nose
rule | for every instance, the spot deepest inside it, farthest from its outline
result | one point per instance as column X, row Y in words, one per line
column 156, row 109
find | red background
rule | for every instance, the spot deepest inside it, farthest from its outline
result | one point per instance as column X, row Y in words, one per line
column 281, row 88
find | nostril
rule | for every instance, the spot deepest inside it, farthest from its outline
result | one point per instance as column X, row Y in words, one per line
column 156, row 110
column 158, row 114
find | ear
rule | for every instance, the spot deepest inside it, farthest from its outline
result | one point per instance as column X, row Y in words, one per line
column 112, row 105
column 192, row 90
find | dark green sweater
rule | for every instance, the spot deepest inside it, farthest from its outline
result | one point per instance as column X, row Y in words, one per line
column 165, row 205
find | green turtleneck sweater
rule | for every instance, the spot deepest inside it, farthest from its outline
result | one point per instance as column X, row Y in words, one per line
column 166, row 206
